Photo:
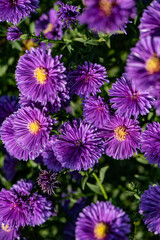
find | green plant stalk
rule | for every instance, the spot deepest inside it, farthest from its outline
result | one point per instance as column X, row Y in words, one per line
column 101, row 186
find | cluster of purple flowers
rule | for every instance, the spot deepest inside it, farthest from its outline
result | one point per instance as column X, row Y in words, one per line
column 20, row 207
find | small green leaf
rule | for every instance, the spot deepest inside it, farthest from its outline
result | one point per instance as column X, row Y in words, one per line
column 102, row 173
column 84, row 181
column 94, row 188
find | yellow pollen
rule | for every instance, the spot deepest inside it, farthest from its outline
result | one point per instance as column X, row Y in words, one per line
column 153, row 64
column 120, row 133
column 106, row 7
column 100, row 231
column 5, row 228
column 49, row 28
column 34, row 127
column 41, row 75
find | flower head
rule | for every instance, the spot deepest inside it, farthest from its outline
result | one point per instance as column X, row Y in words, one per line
column 96, row 111
column 78, row 146
column 13, row 10
column 68, row 13
column 150, row 143
column 10, row 167
column 8, row 105
column 23, row 187
column 107, row 15
column 47, row 181
column 143, row 64
column 87, row 79
column 150, row 21
column 50, row 25
column 13, row 33
column 121, row 136
column 41, row 78
column 127, row 100
column 102, row 221
column 8, row 233
column 150, row 207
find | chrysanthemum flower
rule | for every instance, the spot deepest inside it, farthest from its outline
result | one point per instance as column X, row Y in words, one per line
column 107, row 15
column 150, row 143
column 143, row 64
column 78, row 146
column 49, row 158
column 47, row 181
column 122, row 137
column 13, row 10
column 13, row 33
column 150, row 21
column 68, row 13
column 102, row 221
column 8, row 105
column 10, row 167
column 96, row 111
column 50, row 25
column 8, row 233
column 87, row 79
column 41, row 78
column 150, row 208
column 127, row 100
column 26, row 133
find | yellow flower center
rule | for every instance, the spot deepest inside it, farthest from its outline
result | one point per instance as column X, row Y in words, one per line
column 49, row 28
column 120, row 133
column 100, row 231
column 106, row 7
column 5, row 228
column 34, row 127
column 41, row 75
column 153, row 64
column 29, row 43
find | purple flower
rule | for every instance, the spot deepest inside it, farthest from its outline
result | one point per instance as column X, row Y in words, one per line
column 150, row 140
column 13, row 33
column 143, row 64
column 102, row 221
column 8, row 233
column 69, row 231
column 122, row 136
column 10, row 167
column 78, row 146
column 41, row 78
column 150, row 21
column 49, row 158
column 50, row 25
column 23, row 187
column 68, row 13
column 107, row 16
column 47, row 181
column 127, row 100
column 13, row 10
column 87, row 79
column 96, row 111
column 8, row 105
column 26, row 133
column 156, row 105
column 150, row 207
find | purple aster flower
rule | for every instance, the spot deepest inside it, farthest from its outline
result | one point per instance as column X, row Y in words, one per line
column 96, row 111
column 107, row 16
column 156, row 105
column 150, row 207
column 127, row 100
column 87, row 79
column 150, row 140
column 68, row 13
column 48, row 181
column 41, row 209
column 41, row 78
column 13, row 10
column 10, row 167
column 102, row 221
column 8, row 105
column 78, row 146
column 13, row 33
column 150, row 21
column 143, row 64
column 23, row 187
column 8, row 233
column 122, row 136
column 50, row 25
column 49, row 158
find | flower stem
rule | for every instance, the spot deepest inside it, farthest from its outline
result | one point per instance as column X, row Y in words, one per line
column 100, row 185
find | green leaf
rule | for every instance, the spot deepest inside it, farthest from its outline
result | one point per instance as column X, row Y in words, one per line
column 83, row 182
column 102, row 173
column 94, row 188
